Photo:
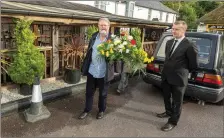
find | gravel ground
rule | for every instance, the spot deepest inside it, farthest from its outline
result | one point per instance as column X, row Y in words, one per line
column 13, row 94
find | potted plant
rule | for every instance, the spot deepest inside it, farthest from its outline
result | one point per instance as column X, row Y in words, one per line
column 73, row 54
column 28, row 62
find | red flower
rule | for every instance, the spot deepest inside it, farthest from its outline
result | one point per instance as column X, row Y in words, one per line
column 133, row 42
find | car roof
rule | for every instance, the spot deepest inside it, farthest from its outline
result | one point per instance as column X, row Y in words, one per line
column 196, row 33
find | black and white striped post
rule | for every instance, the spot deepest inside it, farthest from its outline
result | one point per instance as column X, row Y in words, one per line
column 37, row 110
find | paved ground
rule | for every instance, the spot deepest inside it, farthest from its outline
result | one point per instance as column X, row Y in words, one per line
column 129, row 115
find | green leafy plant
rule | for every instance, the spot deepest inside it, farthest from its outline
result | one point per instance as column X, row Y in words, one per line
column 4, row 62
column 90, row 30
column 136, row 33
column 28, row 62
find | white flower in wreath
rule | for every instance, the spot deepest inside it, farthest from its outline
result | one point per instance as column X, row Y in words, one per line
column 120, row 50
column 117, row 41
column 113, row 36
column 130, row 37
column 121, row 46
column 125, row 43
column 127, row 50
column 111, row 45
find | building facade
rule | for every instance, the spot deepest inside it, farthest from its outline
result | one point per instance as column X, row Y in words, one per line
column 147, row 10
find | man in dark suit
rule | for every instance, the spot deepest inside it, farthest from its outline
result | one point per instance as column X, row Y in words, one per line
column 180, row 59
column 98, row 71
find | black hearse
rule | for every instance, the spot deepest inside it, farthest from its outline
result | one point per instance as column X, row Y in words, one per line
column 207, row 84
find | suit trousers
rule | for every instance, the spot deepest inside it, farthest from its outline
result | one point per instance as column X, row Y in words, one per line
column 91, row 85
column 173, row 100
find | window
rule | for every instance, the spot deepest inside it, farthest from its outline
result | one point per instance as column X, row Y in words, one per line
column 204, row 49
column 161, row 52
column 161, row 16
column 221, row 53
column 101, row 5
column 131, row 9
column 97, row 3
column 116, row 7
column 149, row 14
column 167, row 17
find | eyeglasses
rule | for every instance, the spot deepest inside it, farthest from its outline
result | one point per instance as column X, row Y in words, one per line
column 103, row 25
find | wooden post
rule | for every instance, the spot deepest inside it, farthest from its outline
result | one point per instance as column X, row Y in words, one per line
column 112, row 30
column 55, row 52
column 143, row 36
column 45, row 72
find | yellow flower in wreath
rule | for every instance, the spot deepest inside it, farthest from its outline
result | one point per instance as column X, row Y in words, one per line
column 145, row 60
column 102, row 52
column 152, row 58
column 107, row 54
column 111, row 51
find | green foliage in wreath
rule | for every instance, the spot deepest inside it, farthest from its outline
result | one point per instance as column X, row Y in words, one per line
column 136, row 33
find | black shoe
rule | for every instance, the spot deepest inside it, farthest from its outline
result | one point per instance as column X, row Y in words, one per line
column 99, row 115
column 168, row 127
column 83, row 115
column 163, row 115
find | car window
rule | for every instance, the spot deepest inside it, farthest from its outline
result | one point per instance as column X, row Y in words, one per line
column 204, row 48
column 161, row 52
column 223, row 52
column 222, row 58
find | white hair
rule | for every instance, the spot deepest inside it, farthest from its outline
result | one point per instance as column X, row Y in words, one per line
column 105, row 19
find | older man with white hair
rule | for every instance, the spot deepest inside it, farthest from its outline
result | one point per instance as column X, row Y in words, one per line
column 98, row 71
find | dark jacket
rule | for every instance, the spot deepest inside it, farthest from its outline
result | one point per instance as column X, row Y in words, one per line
column 180, row 63
column 88, row 58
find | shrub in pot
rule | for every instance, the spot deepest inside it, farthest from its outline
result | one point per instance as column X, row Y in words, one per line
column 28, row 62
column 73, row 54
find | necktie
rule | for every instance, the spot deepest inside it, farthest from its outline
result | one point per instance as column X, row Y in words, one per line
column 172, row 48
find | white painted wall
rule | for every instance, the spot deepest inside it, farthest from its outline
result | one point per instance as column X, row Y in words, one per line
column 141, row 13
column 121, row 9
column 155, row 14
column 91, row 3
column 110, row 7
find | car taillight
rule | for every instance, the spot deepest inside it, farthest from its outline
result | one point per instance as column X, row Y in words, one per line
column 153, row 67
column 209, row 78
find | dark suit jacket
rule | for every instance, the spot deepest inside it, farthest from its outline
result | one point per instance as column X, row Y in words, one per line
column 88, row 58
column 183, row 60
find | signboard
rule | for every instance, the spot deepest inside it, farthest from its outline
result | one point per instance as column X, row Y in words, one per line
column 215, row 26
